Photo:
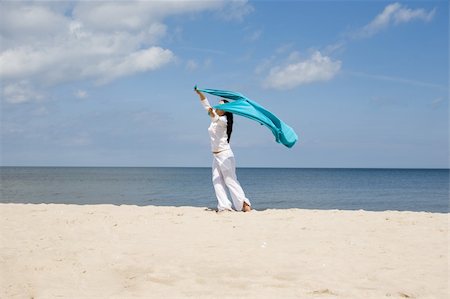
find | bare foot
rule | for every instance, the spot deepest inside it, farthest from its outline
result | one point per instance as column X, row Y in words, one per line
column 246, row 207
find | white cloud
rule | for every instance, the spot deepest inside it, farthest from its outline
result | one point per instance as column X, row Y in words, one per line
column 22, row 23
column 236, row 10
column 255, row 35
column 315, row 68
column 135, row 15
column 194, row 65
column 79, row 52
column 139, row 61
column 191, row 65
column 334, row 48
column 20, row 92
column 284, row 48
column 399, row 80
column 395, row 13
column 81, row 94
column 46, row 43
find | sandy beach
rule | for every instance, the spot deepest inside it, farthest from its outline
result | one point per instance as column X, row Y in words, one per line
column 107, row 251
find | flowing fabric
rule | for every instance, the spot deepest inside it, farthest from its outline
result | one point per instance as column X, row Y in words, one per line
column 245, row 107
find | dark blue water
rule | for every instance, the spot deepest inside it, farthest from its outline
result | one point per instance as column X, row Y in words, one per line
column 349, row 189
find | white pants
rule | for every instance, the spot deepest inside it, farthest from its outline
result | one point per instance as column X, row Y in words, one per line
column 223, row 177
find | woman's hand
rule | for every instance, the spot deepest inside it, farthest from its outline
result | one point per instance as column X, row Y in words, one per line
column 201, row 95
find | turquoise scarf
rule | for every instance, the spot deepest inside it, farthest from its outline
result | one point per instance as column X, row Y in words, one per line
column 252, row 110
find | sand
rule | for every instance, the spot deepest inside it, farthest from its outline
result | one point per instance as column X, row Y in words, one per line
column 107, row 251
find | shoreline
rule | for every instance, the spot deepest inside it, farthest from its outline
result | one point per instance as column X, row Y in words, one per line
column 212, row 209
column 129, row 251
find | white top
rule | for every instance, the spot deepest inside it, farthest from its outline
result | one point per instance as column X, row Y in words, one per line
column 217, row 130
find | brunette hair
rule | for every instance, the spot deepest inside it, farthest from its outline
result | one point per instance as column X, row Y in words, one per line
column 229, row 116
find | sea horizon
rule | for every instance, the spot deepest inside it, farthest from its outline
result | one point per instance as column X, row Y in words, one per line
column 372, row 189
column 238, row 167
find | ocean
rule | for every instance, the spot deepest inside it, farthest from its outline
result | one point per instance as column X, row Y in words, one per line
column 267, row 188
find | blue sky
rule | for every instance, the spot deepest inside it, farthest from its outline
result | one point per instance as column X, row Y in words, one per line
column 363, row 83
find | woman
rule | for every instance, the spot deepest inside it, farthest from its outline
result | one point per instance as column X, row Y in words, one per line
column 224, row 166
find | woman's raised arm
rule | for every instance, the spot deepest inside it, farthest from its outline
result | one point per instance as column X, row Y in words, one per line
column 205, row 103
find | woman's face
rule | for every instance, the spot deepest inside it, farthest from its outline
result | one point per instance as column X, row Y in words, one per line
column 220, row 112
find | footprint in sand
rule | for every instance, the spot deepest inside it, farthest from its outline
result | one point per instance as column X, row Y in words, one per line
column 324, row 292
